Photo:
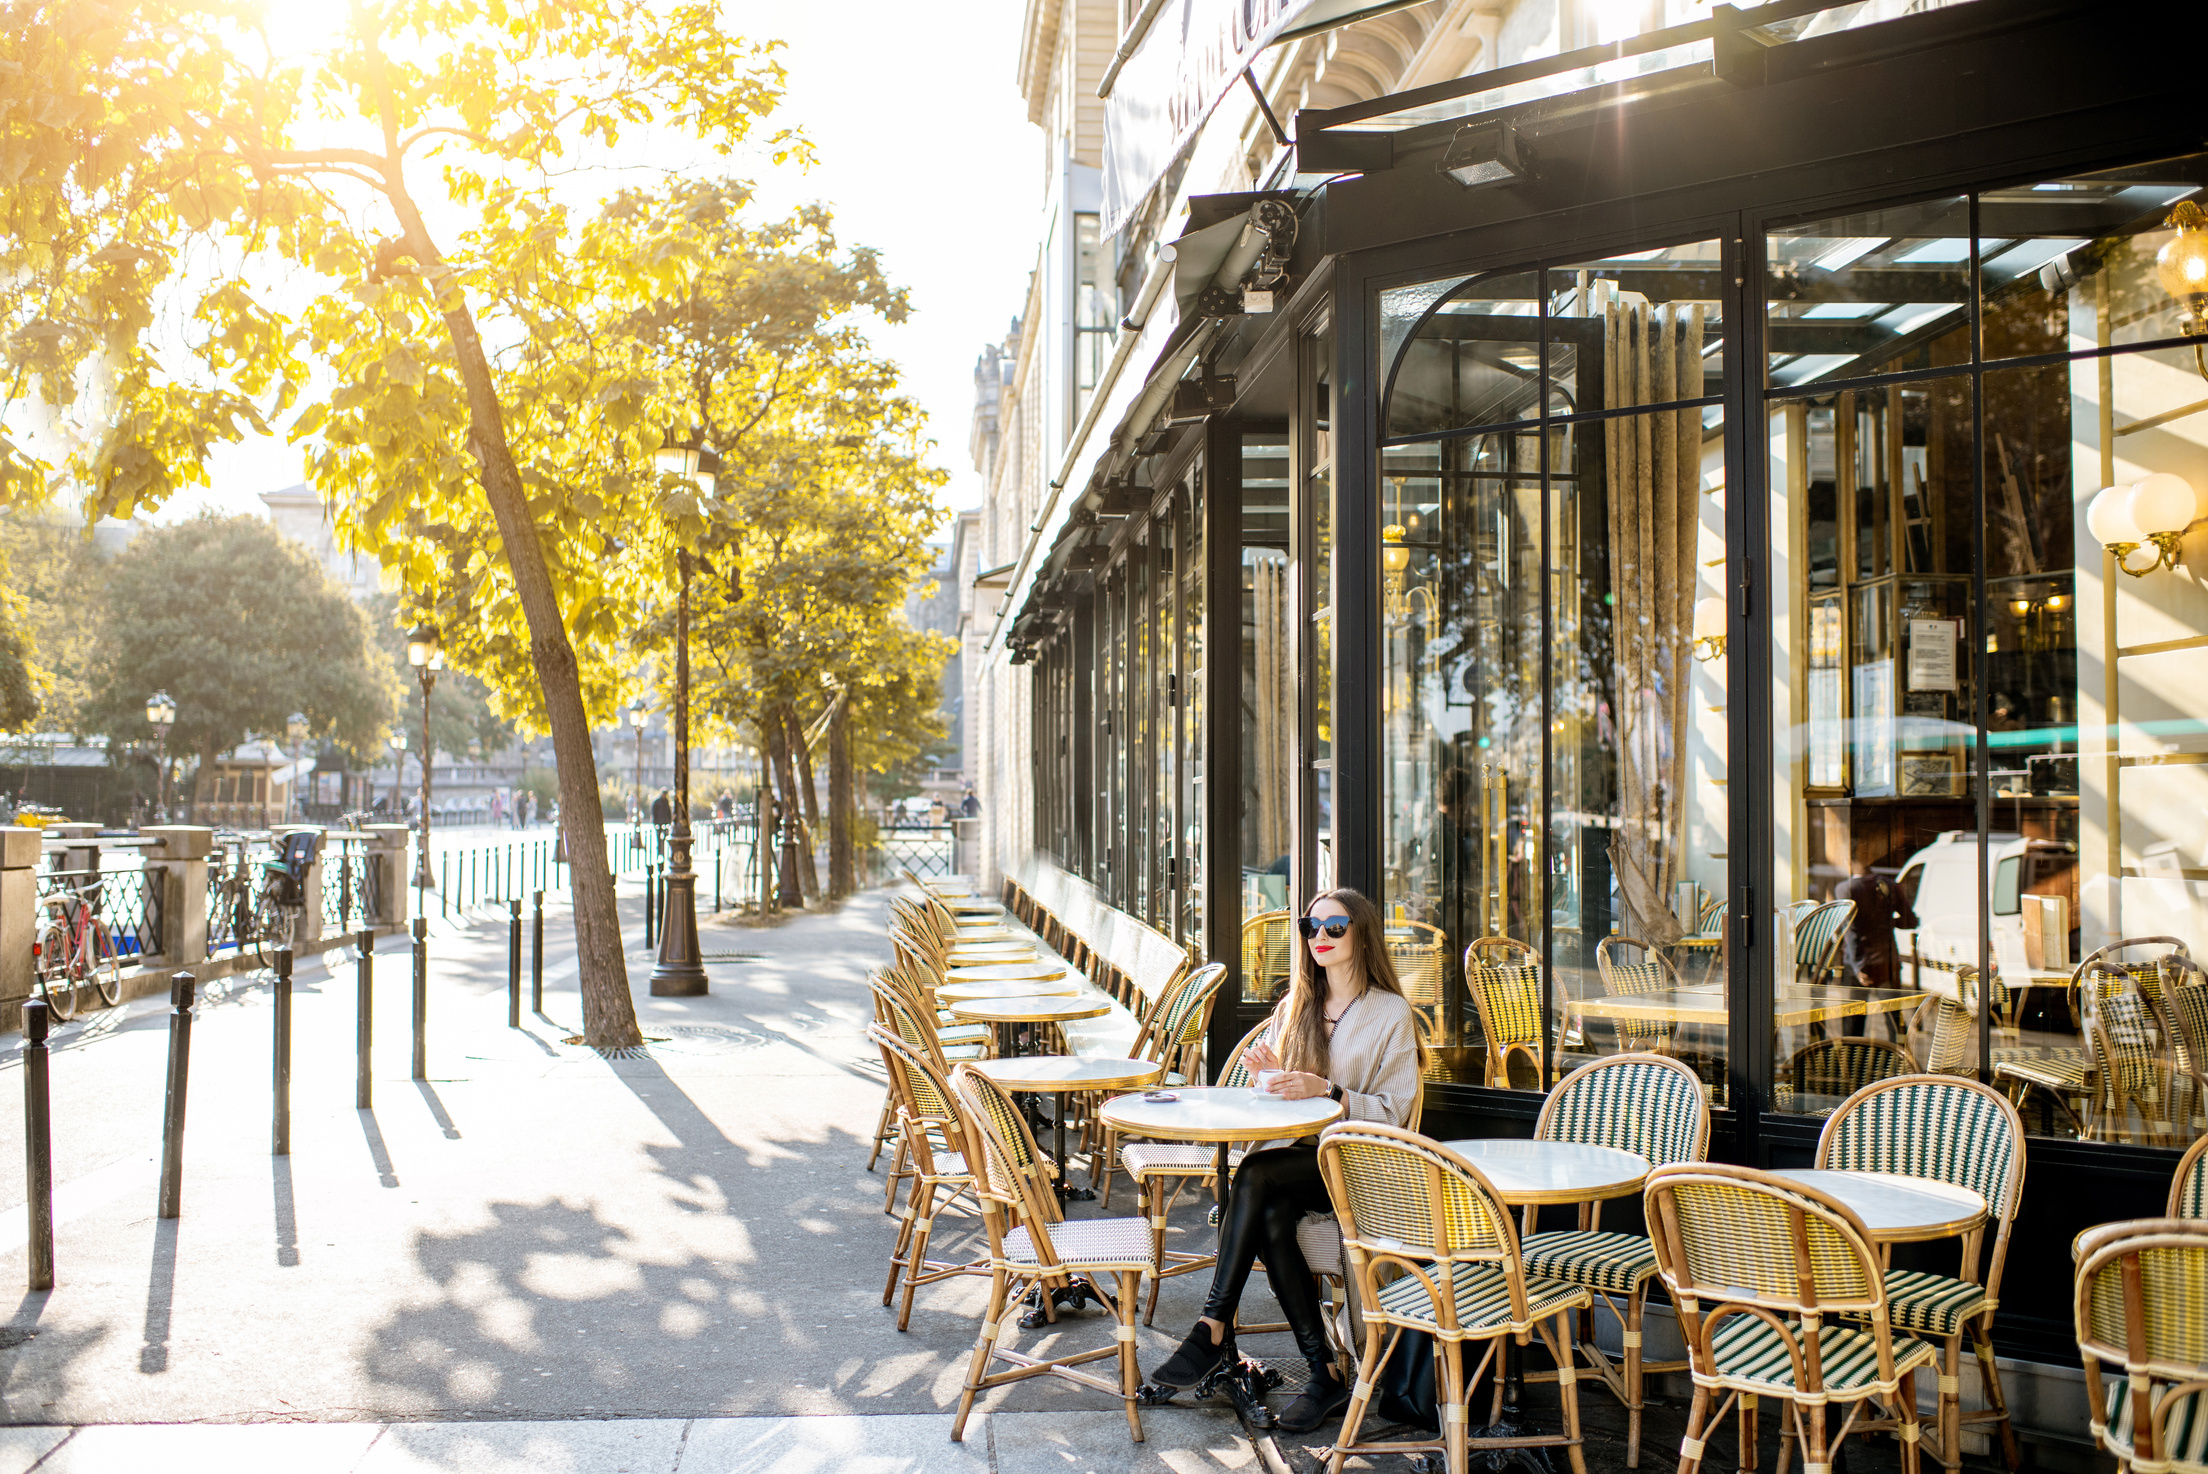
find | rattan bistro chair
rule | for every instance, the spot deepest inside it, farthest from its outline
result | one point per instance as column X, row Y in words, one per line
column 1029, row 1244
column 1818, row 934
column 1625, row 978
column 1766, row 1274
column 1268, row 955
column 1957, row 1131
column 1646, row 1103
column 2139, row 1306
column 1507, row 998
column 2189, row 1185
column 930, row 1126
column 1433, row 1249
column 1842, row 1065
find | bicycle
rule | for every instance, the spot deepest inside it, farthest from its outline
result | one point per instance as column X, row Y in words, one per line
column 281, row 900
column 74, row 948
column 230, row 899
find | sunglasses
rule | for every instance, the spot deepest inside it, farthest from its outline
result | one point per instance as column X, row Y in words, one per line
column 1333, row 926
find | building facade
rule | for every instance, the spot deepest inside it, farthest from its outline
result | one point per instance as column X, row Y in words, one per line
column 1700, row 516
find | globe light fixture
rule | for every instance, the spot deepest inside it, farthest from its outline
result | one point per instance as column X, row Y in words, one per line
column 425, row 652
column 160, row 712
column 1709, row 628
column 2182, row 264
column 161, row 715
column 2154, row 512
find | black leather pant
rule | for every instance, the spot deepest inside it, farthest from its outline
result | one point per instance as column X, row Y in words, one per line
column 1272, row 1190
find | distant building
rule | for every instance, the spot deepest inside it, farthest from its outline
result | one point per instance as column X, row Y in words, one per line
column 945, row 610
column 299, row 514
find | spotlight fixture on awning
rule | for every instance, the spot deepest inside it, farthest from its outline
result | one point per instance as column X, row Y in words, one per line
column 1486, row 153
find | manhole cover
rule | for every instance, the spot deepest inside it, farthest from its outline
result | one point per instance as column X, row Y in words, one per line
column 711, row 1039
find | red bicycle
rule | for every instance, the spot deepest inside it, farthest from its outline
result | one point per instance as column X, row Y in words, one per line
column 74, row 948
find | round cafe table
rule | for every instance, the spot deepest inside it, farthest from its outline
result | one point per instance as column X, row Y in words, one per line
column 1897, row 1209
column 1220, row 1114
column 1061, row 1075
column 962, row 992
column 962, row 953
column 1026, row 1008
column 1038, row 971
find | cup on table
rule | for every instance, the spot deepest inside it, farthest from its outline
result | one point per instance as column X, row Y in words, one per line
column 1265, row 1078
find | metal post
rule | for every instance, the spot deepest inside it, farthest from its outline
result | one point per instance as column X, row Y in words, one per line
column 536, row 957
column 364, row 1035
column 651, row 905
column 38, row 1144
column 513, row 965
column 280, row 1125
column 421, row 998
column 182, row 987
column 444, row 889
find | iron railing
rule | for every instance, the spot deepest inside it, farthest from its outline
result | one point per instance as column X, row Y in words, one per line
column 352, row 887
column 233, row 877
column 925, row 852
column 129, row 901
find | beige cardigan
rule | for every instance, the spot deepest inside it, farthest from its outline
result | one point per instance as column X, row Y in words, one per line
column 1373, row 1056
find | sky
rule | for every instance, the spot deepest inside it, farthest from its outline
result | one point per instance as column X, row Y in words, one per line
column 924, row 152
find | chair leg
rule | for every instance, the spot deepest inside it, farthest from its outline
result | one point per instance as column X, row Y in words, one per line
column 1130, row 1376
column 881, row 1130
column 1911, row 1435
column 1567, row 1386
column 984, row 1344
column 1690, row 1447
column 1104, row 1161
column 904, row 1243
column 1750, row 1436
column 1152, row 1199
column 1359, row 1395
column 1950, row 1404
column 897, row 1157
column 1456, row 1450
column 916, row 1261
column 1982, row 1344
column 1635, row 1401
column 1815, row 1455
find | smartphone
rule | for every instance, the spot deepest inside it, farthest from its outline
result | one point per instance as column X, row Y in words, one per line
column 1160, row 1096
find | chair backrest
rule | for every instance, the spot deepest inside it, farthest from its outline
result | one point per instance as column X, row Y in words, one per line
column 1846, row 1064
column 1197, row 996
column 1735, row 1236
column 1623, row 977
column 2181, row 993
column 1405, row 1197
column 1507, row 998
column 1646, row 1103
column 2133, row 1054
column 1501, row 952
column 1817, row 936
column 2189, row 1187
column 908, row 1023
column 1940, row 1127
column 2139, row 1300
column 300, row 848
column 924, row 1096
column 1951, row 1025
column 1419, row 958
column 1235, row 1075
column 1005, row 1166
column 1267, row 953
column 1711, row 919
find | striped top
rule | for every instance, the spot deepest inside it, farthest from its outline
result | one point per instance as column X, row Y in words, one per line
column 1373, row 1056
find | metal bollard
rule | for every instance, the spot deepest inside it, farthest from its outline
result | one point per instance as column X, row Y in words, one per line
column 421, row 999
column 364, row 1037
column 536, row 957
column 38, row 1143
column 280, row 1123
column 182, row 989
column 651, row 906
column 513, row 965
column 444, row 885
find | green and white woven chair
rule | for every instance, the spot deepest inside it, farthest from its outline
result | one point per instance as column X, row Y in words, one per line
column 1762, row 1270
column 1840, row 1066
column 2189, row 1186
column 932, row 1132
column 1433, row 1249
column 1646, row 1103
column 1630, row 967
column 1957, row 1131
column 1817, row 937
column 1030, row 1244
column 2142, row 1307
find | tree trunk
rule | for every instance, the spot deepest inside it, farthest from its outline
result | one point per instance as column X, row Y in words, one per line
column 801, row 758
column 792, row 892
column 842, row 878
column 762, row 811
column 609, row 1012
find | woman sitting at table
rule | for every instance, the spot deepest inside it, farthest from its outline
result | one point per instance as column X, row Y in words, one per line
column 1345, row 1031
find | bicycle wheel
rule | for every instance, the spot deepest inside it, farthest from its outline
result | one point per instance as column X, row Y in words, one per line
column 267, row 919
column 54, row 985
column 102, row 964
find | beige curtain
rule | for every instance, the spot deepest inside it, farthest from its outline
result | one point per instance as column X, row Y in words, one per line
column 1655, row 463
column 1275, row 699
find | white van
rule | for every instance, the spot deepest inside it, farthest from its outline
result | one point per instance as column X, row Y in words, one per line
column 1941, row 882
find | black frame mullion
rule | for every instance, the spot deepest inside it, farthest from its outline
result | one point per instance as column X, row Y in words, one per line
column 1222, row 734
column 1358, row 781
column 1748, row 704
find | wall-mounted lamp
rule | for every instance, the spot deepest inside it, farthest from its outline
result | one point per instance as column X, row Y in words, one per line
column 2155, row 512
column 1485, row 153
column 2182, row 267
column 1709, row 628
column 1395, row 560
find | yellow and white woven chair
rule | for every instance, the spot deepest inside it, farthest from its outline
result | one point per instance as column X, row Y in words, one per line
column 1507, row 998
column 1030, row 1244
column 1772, row 1281
column 1957, row 1131
column 1646, row 1103
column 1268, row 955
column 1433, row 1249
column 1629, row 967
column 930, row 1129
column 2142, row 1305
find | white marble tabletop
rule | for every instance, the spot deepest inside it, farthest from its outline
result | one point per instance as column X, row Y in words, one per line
column 1220, row 1113
column 1527, row 1171
column 1897, row 1208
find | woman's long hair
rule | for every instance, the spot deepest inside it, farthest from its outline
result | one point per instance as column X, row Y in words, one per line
column 1301, row 1034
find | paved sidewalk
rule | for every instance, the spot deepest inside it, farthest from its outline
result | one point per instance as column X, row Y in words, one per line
column 536, row 1259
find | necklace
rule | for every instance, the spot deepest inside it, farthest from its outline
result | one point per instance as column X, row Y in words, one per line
column 1334, row 1019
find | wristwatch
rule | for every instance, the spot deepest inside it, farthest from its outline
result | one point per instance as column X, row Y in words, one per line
column 1334, row 1093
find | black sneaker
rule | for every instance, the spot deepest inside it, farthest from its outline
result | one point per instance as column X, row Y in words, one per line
column 1323, row 1397
column 1196, row 1359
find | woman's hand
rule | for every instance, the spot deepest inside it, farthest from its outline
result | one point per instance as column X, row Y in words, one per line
column 1260, row 1056
column 1299, row 1085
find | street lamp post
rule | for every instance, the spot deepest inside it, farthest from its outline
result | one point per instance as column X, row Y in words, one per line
column 680, row 970
column 425, row 652
column 398, row 771
column 636, row 787
column 296, row 729
column 160, row 715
